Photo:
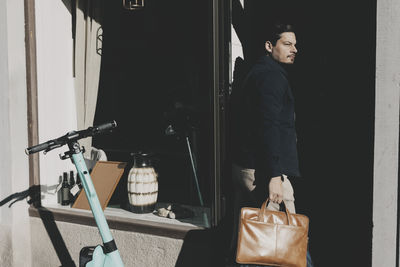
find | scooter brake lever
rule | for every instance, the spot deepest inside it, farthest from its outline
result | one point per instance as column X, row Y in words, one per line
column 51, row 148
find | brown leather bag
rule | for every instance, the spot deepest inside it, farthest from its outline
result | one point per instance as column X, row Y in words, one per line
column 272, row 238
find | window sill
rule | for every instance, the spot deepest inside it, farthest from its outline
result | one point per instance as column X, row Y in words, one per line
column 120, row 219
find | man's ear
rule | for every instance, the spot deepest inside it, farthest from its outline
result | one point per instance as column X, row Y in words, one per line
column 268, row 46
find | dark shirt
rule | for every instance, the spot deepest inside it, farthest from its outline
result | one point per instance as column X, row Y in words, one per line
column 263, row 121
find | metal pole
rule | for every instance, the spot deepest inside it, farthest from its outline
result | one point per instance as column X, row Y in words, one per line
column 194, row 172
column 205, row 217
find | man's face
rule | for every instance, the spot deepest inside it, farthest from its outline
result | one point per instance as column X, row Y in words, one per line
column 285, row 49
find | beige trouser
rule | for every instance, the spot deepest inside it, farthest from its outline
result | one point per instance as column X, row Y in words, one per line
column 244, row 184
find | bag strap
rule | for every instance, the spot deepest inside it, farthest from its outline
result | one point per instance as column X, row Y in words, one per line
column 264, row 207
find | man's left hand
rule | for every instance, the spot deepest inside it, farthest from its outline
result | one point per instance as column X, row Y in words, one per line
column 276, row 190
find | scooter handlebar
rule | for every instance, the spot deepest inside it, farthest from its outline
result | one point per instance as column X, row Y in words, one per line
column 38, row 148
column 105, row 127
column 71, row 136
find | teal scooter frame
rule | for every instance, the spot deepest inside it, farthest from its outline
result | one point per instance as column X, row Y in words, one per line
column 108, row 254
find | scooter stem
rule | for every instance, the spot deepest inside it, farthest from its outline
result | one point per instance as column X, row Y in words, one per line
column 112, row 256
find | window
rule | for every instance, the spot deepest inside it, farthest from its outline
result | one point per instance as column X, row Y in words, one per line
column 156, row 83
column 159, row 73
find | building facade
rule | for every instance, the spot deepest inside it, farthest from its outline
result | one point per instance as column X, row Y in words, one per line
column 349, row 110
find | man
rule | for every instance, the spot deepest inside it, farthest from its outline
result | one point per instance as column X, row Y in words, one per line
column 264, row 137
column 263, row 128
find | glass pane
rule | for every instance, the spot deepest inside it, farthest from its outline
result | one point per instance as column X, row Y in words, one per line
column 156, row 82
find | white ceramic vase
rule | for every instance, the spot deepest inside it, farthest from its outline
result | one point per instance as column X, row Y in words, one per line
column 142, row 186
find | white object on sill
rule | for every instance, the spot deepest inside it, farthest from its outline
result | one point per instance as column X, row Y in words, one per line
column 95, row 155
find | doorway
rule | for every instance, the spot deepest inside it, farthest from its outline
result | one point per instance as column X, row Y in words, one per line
column 333, row 81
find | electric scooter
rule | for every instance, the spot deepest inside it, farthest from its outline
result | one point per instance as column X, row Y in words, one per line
column 106, row 255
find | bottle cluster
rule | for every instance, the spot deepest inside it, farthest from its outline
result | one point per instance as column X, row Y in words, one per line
column 70, row 187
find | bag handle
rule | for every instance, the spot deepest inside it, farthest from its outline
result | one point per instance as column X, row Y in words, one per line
column 264, row 207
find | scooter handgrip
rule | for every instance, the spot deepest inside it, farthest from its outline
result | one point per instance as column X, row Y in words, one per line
column 37, row 148
column 106, row 126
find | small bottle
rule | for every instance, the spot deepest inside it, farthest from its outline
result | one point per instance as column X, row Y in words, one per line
column 71, row 179
column 78, row 181
column 71, row 186
column 65, row 191
column 58, row 190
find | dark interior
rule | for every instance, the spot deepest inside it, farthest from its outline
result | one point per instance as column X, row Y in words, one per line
column 156, row 72
column 333, row 80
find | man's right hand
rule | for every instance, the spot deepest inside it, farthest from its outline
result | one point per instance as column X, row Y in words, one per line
column 276, row 190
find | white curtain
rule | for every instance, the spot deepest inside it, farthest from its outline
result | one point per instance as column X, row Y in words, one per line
column 88, row 42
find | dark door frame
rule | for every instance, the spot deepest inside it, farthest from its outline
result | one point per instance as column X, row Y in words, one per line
column 221, row 66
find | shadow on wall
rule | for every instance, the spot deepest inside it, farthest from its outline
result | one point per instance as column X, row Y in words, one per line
column 205, row 247
column 32, row 196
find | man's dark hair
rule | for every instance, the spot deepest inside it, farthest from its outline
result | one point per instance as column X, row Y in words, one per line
column 276, row 30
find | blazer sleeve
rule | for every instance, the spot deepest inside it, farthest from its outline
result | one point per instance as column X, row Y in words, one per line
column 270, row 90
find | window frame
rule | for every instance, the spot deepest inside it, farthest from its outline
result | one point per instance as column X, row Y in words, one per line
column 220, row 10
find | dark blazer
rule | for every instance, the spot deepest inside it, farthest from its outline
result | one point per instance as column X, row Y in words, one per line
column 263, row 121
